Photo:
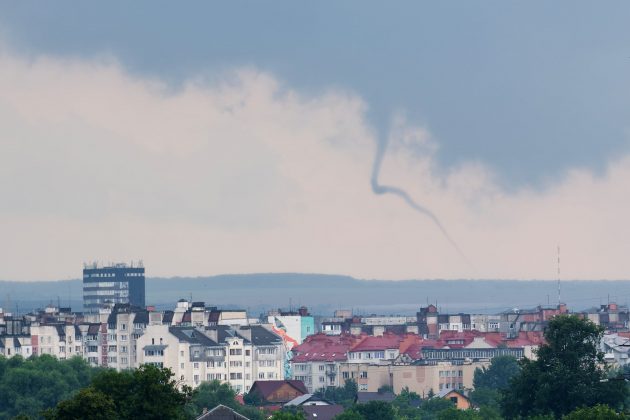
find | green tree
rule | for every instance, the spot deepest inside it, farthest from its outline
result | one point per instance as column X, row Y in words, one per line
column 30, row 386
column 489, row 381
column 210, row 394
column 453, row 413
column 252, row 399
column 86, row 404
column 486, row 397
column 567, row 373
column 285, row 415
column 344, row 395
column 406, row 404
column 148, row 392
column 375, row 410
column 498, row 375
column 350, row 414
column 385, row 388
column 431, row 408
column 598, row 412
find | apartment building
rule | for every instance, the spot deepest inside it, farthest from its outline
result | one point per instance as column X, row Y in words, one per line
column 238, row 355
column 420, row 376
column 15, row 345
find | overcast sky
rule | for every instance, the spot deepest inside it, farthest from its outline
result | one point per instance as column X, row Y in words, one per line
column 241, row 137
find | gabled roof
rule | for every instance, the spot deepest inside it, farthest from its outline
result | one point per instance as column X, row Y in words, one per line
column 263, row 337
column 266, row 388
column 384, row 342
column 221, row 412
column 323, row 348
column 141, row 317
column 192, row 335
column 168, row 317
column 302, row 399
column 443, row 393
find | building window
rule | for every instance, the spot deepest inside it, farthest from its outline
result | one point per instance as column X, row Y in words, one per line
column 236, row 352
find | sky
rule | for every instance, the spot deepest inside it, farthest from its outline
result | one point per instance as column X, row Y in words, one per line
column 382, row 140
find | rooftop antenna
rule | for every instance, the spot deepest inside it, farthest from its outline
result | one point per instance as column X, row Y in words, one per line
column 558, row 275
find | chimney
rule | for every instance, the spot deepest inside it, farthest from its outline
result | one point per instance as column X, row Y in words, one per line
column 212, row 333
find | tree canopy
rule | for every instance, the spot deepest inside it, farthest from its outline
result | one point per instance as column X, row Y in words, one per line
column 567, row 373
column 148, row 392
column 498, row 375
column 29, row 386
column 344, row 395
column 489, row 381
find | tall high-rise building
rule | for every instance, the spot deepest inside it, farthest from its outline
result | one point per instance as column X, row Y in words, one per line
column 105, row 285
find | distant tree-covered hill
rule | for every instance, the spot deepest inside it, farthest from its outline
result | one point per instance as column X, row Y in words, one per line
column 325, row 293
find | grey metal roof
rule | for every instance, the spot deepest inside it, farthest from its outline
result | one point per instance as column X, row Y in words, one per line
column 263, row 337
column 192, row 335
column 142, row 317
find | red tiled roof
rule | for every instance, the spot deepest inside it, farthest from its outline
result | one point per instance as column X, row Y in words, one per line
column 384, row 342
column 321, row 347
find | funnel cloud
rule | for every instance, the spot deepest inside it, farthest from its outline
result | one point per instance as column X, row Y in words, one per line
column 380, row 189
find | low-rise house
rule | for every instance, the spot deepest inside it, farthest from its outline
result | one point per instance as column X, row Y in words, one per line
column 457, row 397
column 306, row 399
column 616, row 348
column 278, row 392
column 221, row 412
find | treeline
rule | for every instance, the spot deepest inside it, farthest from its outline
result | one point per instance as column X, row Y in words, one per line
column 29, row 386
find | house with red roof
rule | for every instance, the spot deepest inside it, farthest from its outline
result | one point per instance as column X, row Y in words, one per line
column 316, row 361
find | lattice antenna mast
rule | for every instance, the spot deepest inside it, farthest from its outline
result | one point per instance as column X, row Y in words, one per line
column 558, row 275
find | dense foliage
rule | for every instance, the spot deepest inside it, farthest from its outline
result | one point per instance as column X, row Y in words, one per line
column 489, row 382
column 566, row 375
column 148, row 392
column 598, row 412
column 344, row 395
column 210, row 394
column 29, row 386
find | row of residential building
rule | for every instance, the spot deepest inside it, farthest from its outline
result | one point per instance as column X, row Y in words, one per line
column 430, row 351
column 406, row 360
